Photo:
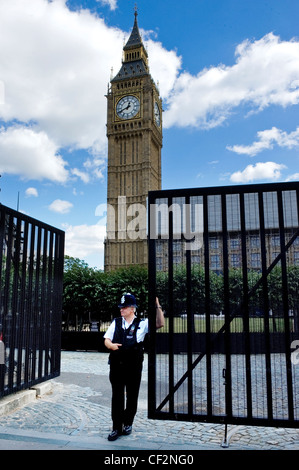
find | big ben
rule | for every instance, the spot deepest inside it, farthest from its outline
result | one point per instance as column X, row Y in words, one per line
column 134, row 132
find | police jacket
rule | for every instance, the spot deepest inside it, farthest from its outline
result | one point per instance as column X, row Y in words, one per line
column 130, row 351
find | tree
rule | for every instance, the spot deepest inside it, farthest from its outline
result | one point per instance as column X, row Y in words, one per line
column 133, row 279
column 79, row 290
column 90, row 295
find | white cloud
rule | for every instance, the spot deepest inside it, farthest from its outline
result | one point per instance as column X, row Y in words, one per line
column 259, row 171
column 81, row 174
column 55, row 86
column 164, row 67
column 111, row 3
column 294, row 177
column 95, row 166
column 62, row 207
column 206, row 100
column 55, row 68
column 31, row 154
column 60, row 69
column 82, row 241
column 31, row 192
column 266, row 140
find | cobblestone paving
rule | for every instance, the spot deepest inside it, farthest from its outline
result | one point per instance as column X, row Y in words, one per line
column 84, row 409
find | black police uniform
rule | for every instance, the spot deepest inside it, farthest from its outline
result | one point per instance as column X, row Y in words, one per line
column 125, row 373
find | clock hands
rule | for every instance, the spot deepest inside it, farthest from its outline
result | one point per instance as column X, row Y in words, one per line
column 125, row 108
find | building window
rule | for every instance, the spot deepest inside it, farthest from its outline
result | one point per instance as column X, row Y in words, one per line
column 296, row 241
column 159, row 248
column 177, row 259
column 254, row 241
column 235, row 260
column 234, row 243
column 214, row 243
column 159, row 264
column 296, row 258
column 275, row 240
column 255, row 260
column 177, row 245
column 125, row 153
column 196, row 259
column 215, row 262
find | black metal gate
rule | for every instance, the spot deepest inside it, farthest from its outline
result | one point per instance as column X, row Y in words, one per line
column 31, row 277
column 224, row 263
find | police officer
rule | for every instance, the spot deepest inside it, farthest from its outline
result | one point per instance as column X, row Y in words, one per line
column 124, row 338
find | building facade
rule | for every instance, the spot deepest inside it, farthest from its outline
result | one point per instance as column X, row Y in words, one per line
column 234, row 240
column 134, row 132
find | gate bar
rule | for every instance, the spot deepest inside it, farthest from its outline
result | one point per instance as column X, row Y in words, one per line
column 190, row 317
column 266, row 305
column 246, row 307
column 228, row 391
column 207, row 306
column 170, row 307
column 285, row 306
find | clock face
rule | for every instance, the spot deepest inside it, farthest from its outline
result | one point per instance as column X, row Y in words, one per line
column 127, row 107
column 157, row 114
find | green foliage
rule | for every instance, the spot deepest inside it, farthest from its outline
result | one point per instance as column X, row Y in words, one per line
column 92, row 295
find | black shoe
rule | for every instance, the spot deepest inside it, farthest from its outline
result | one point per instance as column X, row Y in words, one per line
column 127, row 430
column 115, row 434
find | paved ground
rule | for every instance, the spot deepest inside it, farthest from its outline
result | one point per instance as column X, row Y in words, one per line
column 76, row 415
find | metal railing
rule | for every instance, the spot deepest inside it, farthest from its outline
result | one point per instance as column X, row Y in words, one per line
column 224, row 263
column 31, row 277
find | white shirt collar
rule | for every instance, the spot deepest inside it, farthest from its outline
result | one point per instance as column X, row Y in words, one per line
column 125, row 324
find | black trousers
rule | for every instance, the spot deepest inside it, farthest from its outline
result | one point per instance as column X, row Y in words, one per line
column 125, row 378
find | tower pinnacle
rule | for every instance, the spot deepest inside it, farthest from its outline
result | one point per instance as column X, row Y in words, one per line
column 135, row 57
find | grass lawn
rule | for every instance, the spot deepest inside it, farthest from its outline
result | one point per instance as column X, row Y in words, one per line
column 256, row 325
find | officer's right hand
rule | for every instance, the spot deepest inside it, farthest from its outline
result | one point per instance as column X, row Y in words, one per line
column 115, row 346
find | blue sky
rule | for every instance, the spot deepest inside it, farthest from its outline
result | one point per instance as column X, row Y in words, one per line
column 228, row 73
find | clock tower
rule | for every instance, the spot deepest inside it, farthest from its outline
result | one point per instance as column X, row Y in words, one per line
column 134, row 131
